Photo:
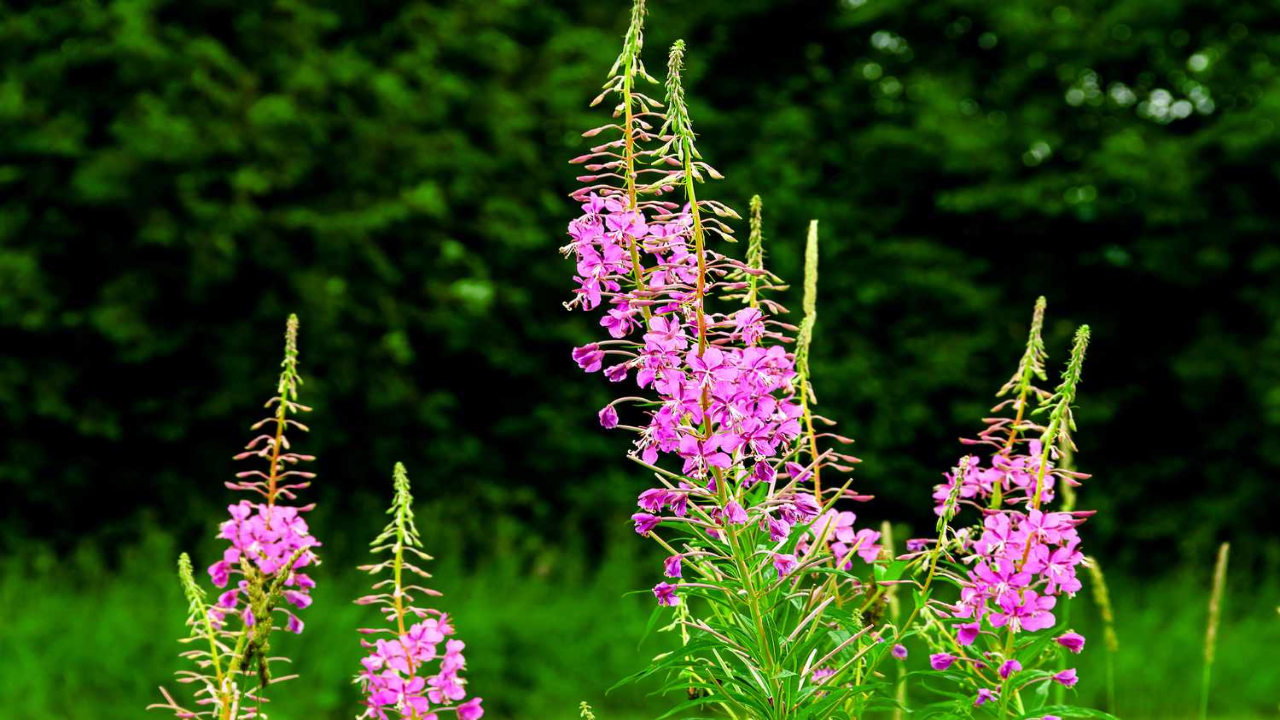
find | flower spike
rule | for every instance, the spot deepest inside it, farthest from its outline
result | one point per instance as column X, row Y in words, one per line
column 1061, row 421
column 269, row 544
column 805, row 338
column 395, row 678
column 1015, row 564
column 678, row 125
column 1032, row 363
column 629, row 62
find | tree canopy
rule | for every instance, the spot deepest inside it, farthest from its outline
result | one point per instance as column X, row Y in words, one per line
column 177, row 177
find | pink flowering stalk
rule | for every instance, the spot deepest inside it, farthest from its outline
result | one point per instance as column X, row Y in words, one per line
column 1018, row 558
column 723, row 421
column 414, row 672
column 268, row 546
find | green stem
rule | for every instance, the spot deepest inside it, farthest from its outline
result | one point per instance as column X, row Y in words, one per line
column 629, row 156
column 1204, row 691
column 1006, row 686
column 1111, row 682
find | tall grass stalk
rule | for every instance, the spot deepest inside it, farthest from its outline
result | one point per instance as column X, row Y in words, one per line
column 895, row 614
column 1103, row 600
column 1211, row 632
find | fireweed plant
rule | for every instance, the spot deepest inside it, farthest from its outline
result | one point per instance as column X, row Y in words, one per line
column 396, row 680
column 779, row 599
column 1016, row 559
column 728, row 429
column 268, row 546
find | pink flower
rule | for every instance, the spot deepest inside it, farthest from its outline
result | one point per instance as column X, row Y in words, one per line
column 589, row 357
column 666, row 594
column 899, row 651
column 1072, row 641
column 1067, row 678
column 671, row 566
column 711, row 366
column 700, row 454
column 645, row 523
column 749, row 325
column 666, row 334
column 653, row 499
column 1024, row 611
column 784, row 564
column 734, row 513
column 966, row 633
column 941, row 661
column 470, row 710
column 779, row 530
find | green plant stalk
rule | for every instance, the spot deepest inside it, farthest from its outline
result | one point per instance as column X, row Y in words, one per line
column 1211, row 631
column 1006, row 686
column 636, row 268
column 943, row 525
column 895, row 612
column 233, row 671
column 1102, row 599
column 1060, row 422
column 686, row 147
column 753, row 602
column 398, row 574
column 199, row 612
column 1030, row 367
column 1060, row 692
column 755, row 253
column 699, row 245
column 629, row 155
column 805, row 342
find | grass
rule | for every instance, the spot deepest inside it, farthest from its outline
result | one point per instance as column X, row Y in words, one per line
column 545, row 630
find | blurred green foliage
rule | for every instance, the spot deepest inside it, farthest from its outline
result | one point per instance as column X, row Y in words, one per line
column 175, row 177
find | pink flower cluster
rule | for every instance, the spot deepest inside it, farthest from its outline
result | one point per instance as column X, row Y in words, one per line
column 602, row 240
column 731, row 401
column 1012, row 568
column 392, row 677
column 727, row 408
column 744, row 395
column 268, row 537
column 842, row 539
column 1013, row 475
column 1023, row 562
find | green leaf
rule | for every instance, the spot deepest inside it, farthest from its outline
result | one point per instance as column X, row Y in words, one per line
column 888, row 572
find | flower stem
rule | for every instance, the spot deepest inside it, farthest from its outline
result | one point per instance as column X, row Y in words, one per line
column 629, row 157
